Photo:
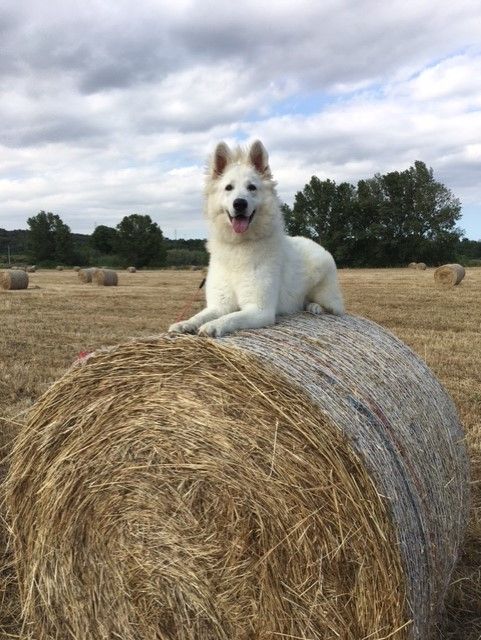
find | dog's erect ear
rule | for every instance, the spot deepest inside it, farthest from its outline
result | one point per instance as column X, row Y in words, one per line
column 259, row 158
column 221, row 158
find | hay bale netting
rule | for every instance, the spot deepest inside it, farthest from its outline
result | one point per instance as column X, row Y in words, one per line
column 86, row 275
column 412, row 265
column 14, row 279
column 421, row 266
column 131, row 269
column 106, row 278
column 306, row 480
column 449, row 275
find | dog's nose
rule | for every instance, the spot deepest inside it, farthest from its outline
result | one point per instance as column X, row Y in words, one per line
column 240, row 205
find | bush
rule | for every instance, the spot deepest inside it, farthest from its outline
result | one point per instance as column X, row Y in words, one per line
column 186, row 258
column 470, row 262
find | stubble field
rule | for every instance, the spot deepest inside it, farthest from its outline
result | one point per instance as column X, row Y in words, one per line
column 44, row 328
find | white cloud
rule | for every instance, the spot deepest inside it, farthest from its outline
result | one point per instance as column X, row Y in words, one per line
column 108, row 109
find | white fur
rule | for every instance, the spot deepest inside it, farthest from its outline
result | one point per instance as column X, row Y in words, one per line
column 261, row 273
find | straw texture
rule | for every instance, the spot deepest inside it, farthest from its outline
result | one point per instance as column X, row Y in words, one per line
column 14, row 279
column 449, row 275
column 106, row 278
column 307, row 480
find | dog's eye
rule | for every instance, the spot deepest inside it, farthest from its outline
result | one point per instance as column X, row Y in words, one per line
column 252, row 187
column 229, row 187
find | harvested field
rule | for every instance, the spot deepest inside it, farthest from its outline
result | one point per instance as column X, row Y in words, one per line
column 44, row 329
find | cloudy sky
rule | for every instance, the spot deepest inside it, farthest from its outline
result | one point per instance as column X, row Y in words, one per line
column 109, row 107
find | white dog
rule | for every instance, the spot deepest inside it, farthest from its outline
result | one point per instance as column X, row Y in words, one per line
column 256, row 272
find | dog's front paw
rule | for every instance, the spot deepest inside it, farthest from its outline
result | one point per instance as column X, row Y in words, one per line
column 212, row 329
column 183, row 327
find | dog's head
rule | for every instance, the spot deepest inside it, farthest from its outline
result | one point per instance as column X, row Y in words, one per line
column 241, row 202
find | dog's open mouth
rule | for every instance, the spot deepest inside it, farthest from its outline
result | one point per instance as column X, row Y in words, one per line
column 240, row 224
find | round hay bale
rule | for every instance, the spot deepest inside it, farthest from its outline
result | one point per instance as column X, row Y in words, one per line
column 59, row 268
column 85, row 275
column 449, row 275
column 76, row 269
column 306, row 480
column 131, row 269
column 14, row 279
column 106, row 278
column 32, row 269
column 412, row 265
column 421, row 266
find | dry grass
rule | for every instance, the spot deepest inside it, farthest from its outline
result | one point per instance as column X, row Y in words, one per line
column 46, row 326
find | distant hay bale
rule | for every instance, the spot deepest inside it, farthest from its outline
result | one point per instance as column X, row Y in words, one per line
column 449, row 275
column 14, row 279
column 421, row 266
column 32, row 269
column 87, row 275
column 412, row 265
column 76, row 269
column 131, row 269
column 59, row 268
column 307, row 480
column 106, row 278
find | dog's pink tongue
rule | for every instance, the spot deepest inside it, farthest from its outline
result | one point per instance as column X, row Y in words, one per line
column 240, row 224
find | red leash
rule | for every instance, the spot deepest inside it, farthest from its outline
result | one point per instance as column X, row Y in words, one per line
column 189, row 304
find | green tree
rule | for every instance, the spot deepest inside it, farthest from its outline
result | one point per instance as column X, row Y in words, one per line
column 64, row 252
column 323, row 211
column 314, row 206
column 140, row 241
column 50, row 239
column 104, row 239
column 41, row 239
column 467, row 248
column 418, row 217
column 295, row 221
column 388, row 219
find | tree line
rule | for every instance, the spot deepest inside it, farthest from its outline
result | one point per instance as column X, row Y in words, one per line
column 386, row 220
column 136, row 240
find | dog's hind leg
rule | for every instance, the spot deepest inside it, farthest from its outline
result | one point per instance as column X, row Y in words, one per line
column 313, row 307
column 326, row 295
